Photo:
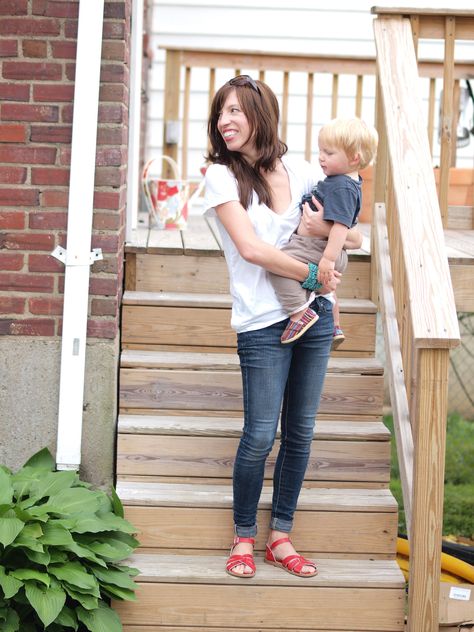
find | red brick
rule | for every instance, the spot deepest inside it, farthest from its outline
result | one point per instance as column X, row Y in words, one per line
column 12, row 261
column 111, row 157
column 66, row 113
column 116, row 10
column 115, row 51
column 112, row 135
column 116, row 113
column 53, row 93
column 8, row 48
column 49, row 175
column 26, row 282
column 64, row 49
column 27, row 327
column 35, row 48
column 12, row 305
column 112, row 73
column 52, row 306
column 12, row 133
column 70, row 70
column 104, row 307
column 19, row 197
column 56, row 8
column 108, row 265
column 102, row 329
column 113, row 92
column 48, row 221
column 107, row 200
column 28, row 155
column 26, row 241
column 70, row 29
column 103, row 287
column 12, row 220
column 53, row 199
column 44, row 263
column 113, row 30
column 14, row 92
column 14, row 7
column 29, row 112
column 106, row 221
column 29, row 26
column 39, row 71
column 13, row 175
column 110, row 176
column 51, row 134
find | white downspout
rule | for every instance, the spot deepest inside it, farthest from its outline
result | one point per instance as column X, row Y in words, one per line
column 78, row 256
column 134, row 119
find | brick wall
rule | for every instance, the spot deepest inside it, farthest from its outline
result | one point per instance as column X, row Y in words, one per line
column 37, row 64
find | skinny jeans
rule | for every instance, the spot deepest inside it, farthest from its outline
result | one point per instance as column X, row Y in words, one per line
column 278, row 378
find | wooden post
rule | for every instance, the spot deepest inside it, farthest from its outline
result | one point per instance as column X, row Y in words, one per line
column 171, row 105
column 447, row 117
column 428, row 490
column 309, row 117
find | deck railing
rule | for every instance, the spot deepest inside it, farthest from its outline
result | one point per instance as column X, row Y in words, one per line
column 280, row 69
column 416, row 295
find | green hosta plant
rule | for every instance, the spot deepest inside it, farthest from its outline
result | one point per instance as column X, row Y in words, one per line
column 60, row 546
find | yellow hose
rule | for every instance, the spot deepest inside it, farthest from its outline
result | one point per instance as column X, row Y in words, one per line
column 452, row 570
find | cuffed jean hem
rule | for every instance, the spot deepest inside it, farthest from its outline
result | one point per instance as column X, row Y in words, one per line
column 277, row 524
column 245, row 532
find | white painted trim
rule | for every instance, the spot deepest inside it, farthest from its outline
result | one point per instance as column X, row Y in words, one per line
column 79, row 232
column 134, row 120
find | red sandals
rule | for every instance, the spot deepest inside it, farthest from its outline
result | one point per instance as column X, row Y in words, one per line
column 237, row 560
column 291, row 563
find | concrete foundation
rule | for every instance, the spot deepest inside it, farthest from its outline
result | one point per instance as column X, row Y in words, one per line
column 29, row 395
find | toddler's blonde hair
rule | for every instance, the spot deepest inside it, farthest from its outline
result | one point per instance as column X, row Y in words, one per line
column 353, row 136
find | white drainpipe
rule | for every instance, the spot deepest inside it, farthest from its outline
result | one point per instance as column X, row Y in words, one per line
column 78, row 256
column 134, row 126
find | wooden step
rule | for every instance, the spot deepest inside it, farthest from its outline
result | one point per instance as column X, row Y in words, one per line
column 191, row 518
column 171, row 319
column 194, row 591
column 154, row 380
column 160, row 271
column 173, row 446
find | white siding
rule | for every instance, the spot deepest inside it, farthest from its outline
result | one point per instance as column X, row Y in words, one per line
column 303, row 26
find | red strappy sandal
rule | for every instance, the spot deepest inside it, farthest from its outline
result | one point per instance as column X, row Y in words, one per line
column 236, row 560
column 291, row 563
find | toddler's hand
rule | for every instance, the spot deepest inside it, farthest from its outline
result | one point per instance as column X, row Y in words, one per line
column 325, row 270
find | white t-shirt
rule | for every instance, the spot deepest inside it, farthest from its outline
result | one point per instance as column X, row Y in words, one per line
column 255, row 304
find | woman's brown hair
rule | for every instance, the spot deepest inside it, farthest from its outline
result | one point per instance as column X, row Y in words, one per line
column 260, row 106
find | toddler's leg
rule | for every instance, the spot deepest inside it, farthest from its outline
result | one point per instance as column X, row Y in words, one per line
column 338, row 335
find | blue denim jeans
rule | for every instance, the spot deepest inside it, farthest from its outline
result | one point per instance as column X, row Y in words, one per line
column 286, row 378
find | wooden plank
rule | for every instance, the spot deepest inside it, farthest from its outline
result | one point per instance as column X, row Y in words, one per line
column 232, row 427
column 165, row 241
column 180, row 299
column 230, row 362
column 209, row 530
column 198, row 239
column 182, row 274
column 431, row 299
column 462, row 277
column 182, row 456
column 166, row 628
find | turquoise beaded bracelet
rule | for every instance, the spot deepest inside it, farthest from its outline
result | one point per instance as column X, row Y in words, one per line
column 311, row 282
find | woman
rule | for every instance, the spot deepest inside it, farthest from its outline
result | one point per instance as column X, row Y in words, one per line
column 254, row 190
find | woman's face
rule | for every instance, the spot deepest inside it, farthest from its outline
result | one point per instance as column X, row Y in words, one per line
column 234, row 127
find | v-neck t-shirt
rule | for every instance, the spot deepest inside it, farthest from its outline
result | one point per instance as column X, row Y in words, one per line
column 255, row 304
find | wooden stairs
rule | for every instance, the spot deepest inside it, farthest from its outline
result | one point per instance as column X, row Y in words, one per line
column 179, row 424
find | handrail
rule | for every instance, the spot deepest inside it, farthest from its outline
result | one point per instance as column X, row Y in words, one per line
column 415, row 289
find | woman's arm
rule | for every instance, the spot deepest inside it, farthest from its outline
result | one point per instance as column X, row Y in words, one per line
column 314, row 224
column 235, row 220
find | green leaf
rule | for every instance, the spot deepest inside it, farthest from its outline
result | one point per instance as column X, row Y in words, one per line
column 9, row 529
column 116, row 503
column 115, row 592
column 52, row 483
column 11, row 620
column 103, row 619
column 103, row 522
column 6, row 488
column 10, row 585
column 77, row 500
column 28, row 538
column 115, row 576
column 42, row 558
column 48, row 602
column 112, row 549
column 42, row 460
column 30, row 573
column 67, row 618
column 87, row 601
column 83, row 553
column 55, row 535
column 74, row 574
